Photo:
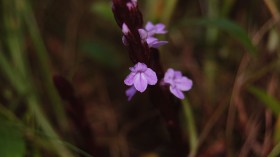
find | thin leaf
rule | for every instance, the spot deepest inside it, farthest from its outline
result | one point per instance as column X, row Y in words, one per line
column 12, row 143
column 276, row 134
column 275, row 151
column 268, row 100
column 188, row 116
column 227, row 25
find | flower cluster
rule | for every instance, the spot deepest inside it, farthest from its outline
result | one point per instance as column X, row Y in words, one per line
column 142, row 42
column 141, row 76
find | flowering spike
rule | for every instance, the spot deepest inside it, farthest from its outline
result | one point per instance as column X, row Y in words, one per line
column 177, row 82
column 141, row 76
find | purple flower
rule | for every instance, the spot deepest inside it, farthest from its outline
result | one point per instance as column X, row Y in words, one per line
column 143, row 34
column 132, row 4
column 151, row 41
column 140, row 77
column 177, row 82
column 125, row 29
column 147, row 33
column 155, row 29
column 130, row 92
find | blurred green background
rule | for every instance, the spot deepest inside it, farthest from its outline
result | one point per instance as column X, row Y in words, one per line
column 62, row 66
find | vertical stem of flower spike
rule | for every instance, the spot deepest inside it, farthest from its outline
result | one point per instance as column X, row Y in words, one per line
column 169, row 108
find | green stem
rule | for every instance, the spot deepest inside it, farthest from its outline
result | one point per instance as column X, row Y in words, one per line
column 193, row 139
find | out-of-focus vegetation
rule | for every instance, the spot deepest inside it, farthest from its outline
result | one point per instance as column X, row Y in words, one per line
column 62, row 65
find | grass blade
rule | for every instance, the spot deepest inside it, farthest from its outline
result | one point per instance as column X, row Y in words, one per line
column 193, row 139
column 268, row 100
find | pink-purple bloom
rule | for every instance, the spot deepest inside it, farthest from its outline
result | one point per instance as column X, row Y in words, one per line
column 151, row 41
column 147, row 34
column 178, row 83
column 150, row 30
column 125, row 29
column 132, row 4
column 140, row 77
column 155, row 29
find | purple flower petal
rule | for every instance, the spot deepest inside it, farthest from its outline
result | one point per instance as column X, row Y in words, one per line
column 149, row 26
column 154, row 42
column 125, row 29
column 124, row 40
column 150, row 76
column 160, row 29
column 151, row 40
column 131, row 5
column 155, row 29
column 178, row 93
column 134, row 2
column 140, row 82
column 130, row 92
column 183, row 83
column 158, row 44
column 143, row 34
column 177, row 74
column 169, row 75
column 141, row 67
column 129, row 80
